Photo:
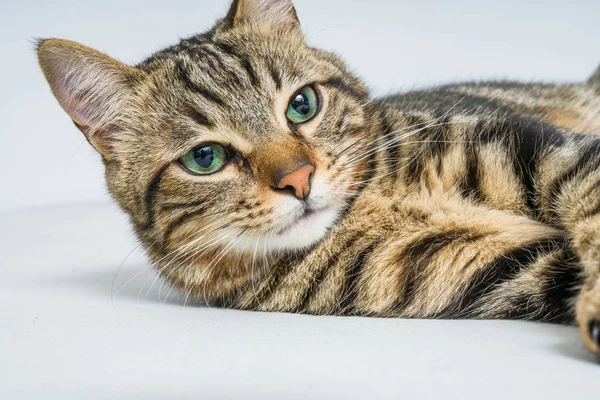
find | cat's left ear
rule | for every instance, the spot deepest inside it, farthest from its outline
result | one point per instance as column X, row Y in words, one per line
column 91, row 87
column 272, row 15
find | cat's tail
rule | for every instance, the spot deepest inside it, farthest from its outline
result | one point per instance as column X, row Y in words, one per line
column 595, row 79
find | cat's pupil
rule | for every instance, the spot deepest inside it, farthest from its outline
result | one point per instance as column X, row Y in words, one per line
column 204, row 156
column 301, row 104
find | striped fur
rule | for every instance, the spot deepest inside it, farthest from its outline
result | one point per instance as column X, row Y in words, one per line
column 464, row 201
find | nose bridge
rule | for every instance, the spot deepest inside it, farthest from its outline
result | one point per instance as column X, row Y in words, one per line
column 279, row 158
column 287, row 163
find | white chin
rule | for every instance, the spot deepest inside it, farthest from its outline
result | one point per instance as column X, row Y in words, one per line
column 305, row 232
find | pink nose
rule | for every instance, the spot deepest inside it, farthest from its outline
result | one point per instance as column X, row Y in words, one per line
column 298, row 180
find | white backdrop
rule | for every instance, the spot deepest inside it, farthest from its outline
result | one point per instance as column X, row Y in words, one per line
column 392, row 44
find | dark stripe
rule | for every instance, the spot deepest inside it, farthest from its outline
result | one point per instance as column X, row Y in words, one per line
column 150, row 198
column 440, row 138
column 591, row 198
column 199, row 117
column 587, row 154
column 244, row 62
column 527, row 144
column 594, row 211
column 227, row 49
column 353, row 272
column 489, row 277
column 433, row 144
column 178, row 206
column 353, row 130
column 207, row 94
column 314, row 287
column 439, row 135
column 562, row 284
column 592, row 191
column 561, row 278
column 414, row 169
column 350, row 131
column 472, row 180
column 326, row 268
column 206, row 53
column 342, row 119
column 251, row 73
column 491, row 131
column 589, row 159
column 370, row 173
column 416, row 257
column 272, row 282
column 525, row 140
column 180, row 221
column 276, row 76
column 393, row 156
column 339, row 84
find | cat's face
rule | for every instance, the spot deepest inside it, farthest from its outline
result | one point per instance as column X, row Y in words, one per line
column 232, row 144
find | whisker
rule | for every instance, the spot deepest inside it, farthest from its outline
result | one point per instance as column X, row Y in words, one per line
column 252, row 269
column 216, row 261
column 390, row 143
column 431, row 124
column 180, row 251
column 197, row 254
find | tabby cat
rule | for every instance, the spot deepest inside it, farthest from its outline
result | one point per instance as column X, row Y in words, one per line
column 259, row 174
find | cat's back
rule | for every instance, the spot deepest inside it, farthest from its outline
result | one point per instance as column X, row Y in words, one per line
column 575, row 107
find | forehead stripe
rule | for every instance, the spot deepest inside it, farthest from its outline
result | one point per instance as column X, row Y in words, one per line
column 338, row 83
column 244, row 62
column 276, row 76
column 199, row 117
column 150, row 198
column 207, row 94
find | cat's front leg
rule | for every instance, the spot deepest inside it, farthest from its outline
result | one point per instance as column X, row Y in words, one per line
column 586, row 238
column 570, row 192
column 559, row 172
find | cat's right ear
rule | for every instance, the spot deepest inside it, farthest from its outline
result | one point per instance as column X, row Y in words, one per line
column 90, row 86
column 269, row 15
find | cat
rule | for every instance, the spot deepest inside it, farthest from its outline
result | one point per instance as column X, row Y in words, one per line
column 260, row 174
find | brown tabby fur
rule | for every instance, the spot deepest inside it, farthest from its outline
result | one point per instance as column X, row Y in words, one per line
column 464, row 201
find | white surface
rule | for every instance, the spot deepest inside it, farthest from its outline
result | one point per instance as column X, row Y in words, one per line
column 65, row 333
column 61, row 336
column 392, row 44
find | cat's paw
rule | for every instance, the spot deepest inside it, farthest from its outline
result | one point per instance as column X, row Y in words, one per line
column 588, row 316
column 594, row 331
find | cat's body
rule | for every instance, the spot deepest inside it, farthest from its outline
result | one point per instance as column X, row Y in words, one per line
column 466, row 201
column 450, row 224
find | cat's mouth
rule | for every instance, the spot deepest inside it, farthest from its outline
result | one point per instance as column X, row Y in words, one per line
column 311, row 220
column 304, row 217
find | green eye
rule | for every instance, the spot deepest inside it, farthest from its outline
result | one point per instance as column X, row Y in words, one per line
column 205, row 160
column 303, row 106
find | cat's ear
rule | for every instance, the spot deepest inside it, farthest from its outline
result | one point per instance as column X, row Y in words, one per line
column 89, row 85
column 272, row 15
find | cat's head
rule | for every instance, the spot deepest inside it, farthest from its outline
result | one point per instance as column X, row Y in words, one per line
column 226, row 147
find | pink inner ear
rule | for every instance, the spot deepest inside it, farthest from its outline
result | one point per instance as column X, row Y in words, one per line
column 100, row 139
column 83, row 128
column 67, row 84
column 90, row 86
column 270, row 3
column 284, row 5
column 276, row 10
column 89, row 93
column 72, row 106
